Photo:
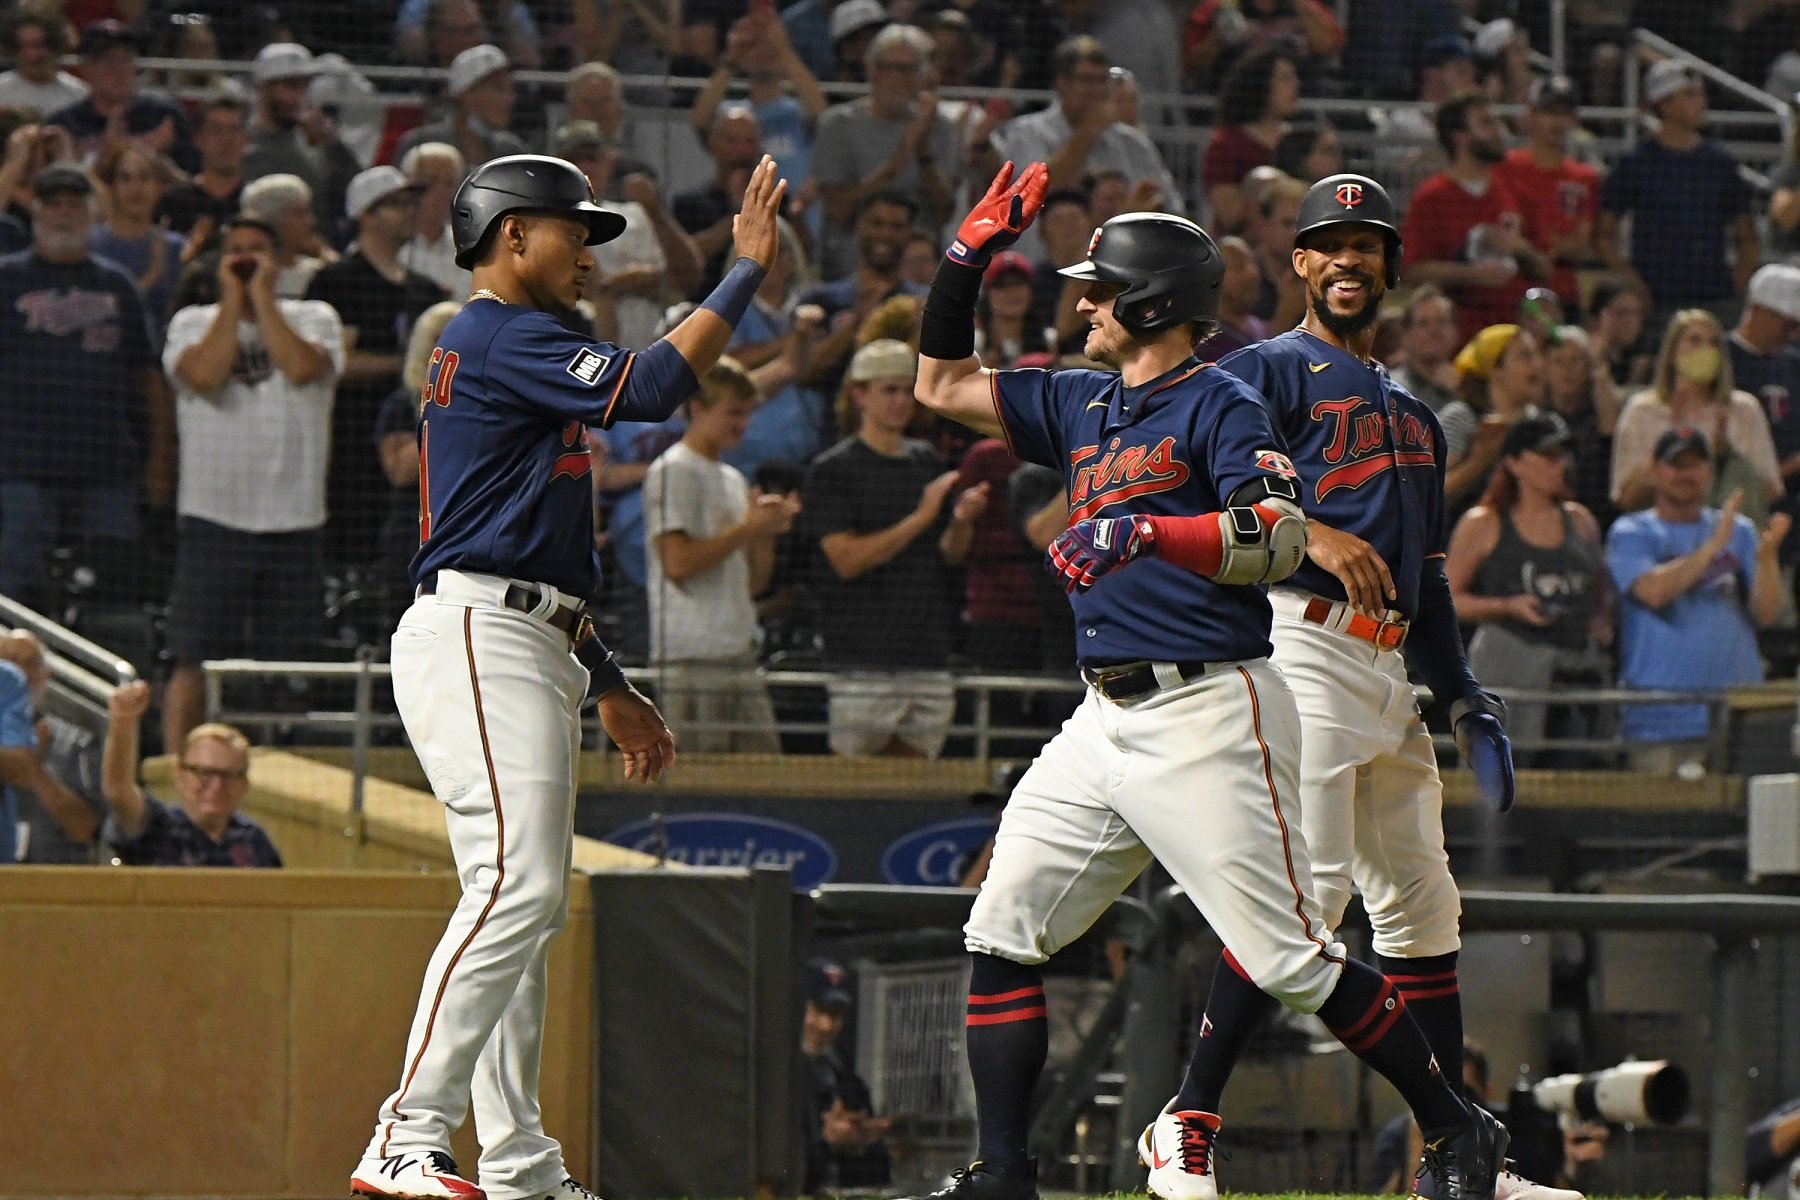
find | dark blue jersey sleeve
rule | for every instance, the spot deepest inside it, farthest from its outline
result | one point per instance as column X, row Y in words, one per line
column 1242, row 443
column 1261, row 372
column 1036, row 409
column 548, row 367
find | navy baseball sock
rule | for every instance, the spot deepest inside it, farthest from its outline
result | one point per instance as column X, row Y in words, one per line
column 1433, row 997
column 1235, row 1007
column 1366, row 1012
column 1008, row 1039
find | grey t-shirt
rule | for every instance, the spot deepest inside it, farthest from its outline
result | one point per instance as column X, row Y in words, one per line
column 710, row 615
column 72, row 759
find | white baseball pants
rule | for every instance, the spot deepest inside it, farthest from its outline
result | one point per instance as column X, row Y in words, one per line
column 490, row 698
column 1203, row 777
column 1371, row 803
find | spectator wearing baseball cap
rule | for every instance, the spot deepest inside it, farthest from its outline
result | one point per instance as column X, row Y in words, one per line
column 480, row 89
column 1558, row 196
column 846, row 1143
column 1693, row 386
column 289, row 135
column 378, row 299
column 1685, row 199
column 1695, row 584
column 109, row 51
column 1526, row 569
column 854, row 24
column 1766, row 363
column 890, row 527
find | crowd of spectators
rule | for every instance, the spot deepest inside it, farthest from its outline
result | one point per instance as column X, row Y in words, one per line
column 216, row 280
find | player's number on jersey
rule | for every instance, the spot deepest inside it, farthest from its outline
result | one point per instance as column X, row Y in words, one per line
column 438, row 376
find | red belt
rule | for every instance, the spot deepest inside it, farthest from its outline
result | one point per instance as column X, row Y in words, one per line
column 1388, row 635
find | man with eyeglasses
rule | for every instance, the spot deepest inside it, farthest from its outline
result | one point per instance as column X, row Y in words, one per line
column 212, row 777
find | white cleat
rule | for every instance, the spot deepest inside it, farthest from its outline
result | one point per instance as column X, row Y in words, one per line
column 568, row 1189
column 420, row 1175
column 1511, row 1186
column 1178, row 1149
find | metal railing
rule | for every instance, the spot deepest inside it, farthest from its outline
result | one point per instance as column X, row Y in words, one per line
column 1139, row 1022
column 1643, row 39
column 83, row 673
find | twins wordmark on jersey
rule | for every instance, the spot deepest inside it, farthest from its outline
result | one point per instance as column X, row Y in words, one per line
column 1177, row 445
column 1369, row 454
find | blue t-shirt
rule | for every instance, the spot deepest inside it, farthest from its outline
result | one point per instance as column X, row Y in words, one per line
column 790, row 425
column 1178, row 445
column 808, row 25
column 73, row 339
column 1681, row 203
column 504, row 471
column 134, row 255
column 787, row 138
column 1701, row 640
column 18, row 731
column 1370, row 455
column 627, row 443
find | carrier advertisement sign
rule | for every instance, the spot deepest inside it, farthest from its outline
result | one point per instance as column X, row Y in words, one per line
column 715, row 839
column 936, row 855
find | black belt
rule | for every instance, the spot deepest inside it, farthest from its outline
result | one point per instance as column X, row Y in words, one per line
column 526, row 598
column 1127, row 683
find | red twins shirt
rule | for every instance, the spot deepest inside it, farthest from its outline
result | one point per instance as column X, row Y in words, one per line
column 1554, row 202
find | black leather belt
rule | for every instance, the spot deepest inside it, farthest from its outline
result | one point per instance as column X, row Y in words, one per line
column 526, row 598
column 1131, row 682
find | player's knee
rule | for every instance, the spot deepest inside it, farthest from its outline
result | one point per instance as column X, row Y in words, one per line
column 534, row 902
column 1000, row 926
column 1299, row 976
column 1418, row 917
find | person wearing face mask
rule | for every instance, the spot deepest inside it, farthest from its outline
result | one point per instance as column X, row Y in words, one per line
column 1693, row 386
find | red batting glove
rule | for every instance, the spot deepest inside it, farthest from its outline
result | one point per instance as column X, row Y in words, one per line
column 999, row 217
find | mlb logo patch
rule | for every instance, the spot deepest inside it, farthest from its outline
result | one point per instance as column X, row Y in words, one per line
column 1275, row 463
column 588, row 365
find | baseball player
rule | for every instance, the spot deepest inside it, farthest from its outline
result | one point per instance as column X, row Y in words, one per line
column 1186, row 745
column 1370, row 459
column 484, row 674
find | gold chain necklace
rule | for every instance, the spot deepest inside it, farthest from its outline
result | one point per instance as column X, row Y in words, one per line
column 486, row 294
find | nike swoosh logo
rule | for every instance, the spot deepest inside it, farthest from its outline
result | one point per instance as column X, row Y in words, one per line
column 1315, row 368
column 1096, row 404
column 1157, row 1161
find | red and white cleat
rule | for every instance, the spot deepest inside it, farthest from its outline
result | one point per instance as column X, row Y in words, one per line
column 421, row 1175
column 1178, row 1149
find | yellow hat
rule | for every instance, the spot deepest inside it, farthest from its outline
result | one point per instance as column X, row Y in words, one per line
column 1484, row 350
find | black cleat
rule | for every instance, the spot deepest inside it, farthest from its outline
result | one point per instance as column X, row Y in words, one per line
column 1464, row 1163
column 980, row 1181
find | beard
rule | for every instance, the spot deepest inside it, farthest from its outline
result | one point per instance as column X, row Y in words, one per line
column 1346, row 325
column 1489, row 152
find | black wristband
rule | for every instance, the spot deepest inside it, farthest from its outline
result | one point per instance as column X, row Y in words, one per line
column 947, row 327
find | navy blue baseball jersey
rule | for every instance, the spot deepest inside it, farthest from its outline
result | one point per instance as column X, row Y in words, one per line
column 1177, row 446
column 1370, row 454
column 504, row 484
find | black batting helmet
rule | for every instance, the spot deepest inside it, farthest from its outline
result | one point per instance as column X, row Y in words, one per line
column 1172, row 269
column 1351, row 200
column 523, row 183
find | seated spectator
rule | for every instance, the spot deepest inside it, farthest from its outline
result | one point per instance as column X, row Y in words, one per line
column 109, row 51
column 285, row 204
column 1258, row 95
column 734, row 143
column 86, row 412
column 250, row 370
column 1464, row 230
column 1282, row 301
column 1579, row 389
column 1239, row 326
column 846, row 1143
column 1684, row 196
column 1309, row 150
column 290, row 135
column 196, row 207
column 1557, row 195
column 1222, row 31
column 480, row 89
column 38, row 765
column 1428, row 343
column 1004, row 328
column 212, row 777
column 594, row 93
column 1525, row 569
column 1502, row 371
column 134, row 180
column 1617, row 309
column 879, row 510
column 880, row 227
column 783, row 94
column 397, row 445
column 36, row 38
column 711, row 543
column 1766, row 363
column 894, row 140
column 1695, row 584
column 1080, row 133
column 1693, row 387
column 377, row 299
column 437, row 170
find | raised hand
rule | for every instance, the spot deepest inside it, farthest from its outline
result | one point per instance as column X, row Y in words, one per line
column 971, row 503
column 1769, row 544
column 755, row 229
column 931, row 500
column 1089, row 549
column 129, row 702
column 1001, row 215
